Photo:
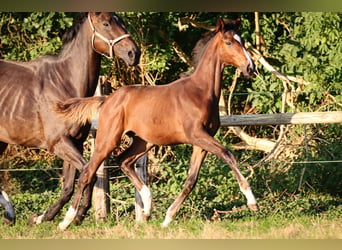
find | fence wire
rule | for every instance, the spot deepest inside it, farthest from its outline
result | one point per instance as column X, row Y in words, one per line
column 305, row 162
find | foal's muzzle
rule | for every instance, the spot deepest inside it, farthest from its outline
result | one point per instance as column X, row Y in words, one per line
column 251, row 68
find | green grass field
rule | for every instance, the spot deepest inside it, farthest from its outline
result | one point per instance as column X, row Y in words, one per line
column 251, row 227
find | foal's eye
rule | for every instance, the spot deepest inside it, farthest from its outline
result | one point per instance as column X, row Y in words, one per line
column 105, row 24
column 229, row 43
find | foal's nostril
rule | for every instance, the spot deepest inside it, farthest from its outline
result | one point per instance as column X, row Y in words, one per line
column 251, row 68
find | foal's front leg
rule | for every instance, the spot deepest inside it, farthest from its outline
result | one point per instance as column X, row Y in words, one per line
column 197, row 158
column 208, row 143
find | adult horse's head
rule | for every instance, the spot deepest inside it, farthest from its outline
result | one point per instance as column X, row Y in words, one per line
column 233, row 51
column 110, row 37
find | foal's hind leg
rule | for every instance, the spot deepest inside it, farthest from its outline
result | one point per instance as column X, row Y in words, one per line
column 137, row 149
column 86, row 202
column 197, row 158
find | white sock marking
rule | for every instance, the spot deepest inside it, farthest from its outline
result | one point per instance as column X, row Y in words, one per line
column 39, row 219
column 250, row 196
column 167, row 221
column 69, row 217
column 146, row 197
column 7, row 203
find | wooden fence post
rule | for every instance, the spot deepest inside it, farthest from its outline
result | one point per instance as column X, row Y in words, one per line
column 101, row 189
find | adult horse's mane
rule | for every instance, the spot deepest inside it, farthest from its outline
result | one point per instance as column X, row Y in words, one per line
column 71, row 33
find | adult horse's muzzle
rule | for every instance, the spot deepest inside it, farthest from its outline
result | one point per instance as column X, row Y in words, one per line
column 127, row 51
column 133, row 57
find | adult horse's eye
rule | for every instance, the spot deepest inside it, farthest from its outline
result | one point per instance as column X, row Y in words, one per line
column 105, row 24
column 229, row 43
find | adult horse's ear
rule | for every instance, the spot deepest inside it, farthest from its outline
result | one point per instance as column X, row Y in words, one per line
column 237, row 23
column 219, row 25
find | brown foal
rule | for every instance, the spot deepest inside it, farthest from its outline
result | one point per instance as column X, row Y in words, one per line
column 184, row 111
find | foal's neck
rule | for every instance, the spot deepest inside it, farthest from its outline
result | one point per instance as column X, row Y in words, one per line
column 208, row 73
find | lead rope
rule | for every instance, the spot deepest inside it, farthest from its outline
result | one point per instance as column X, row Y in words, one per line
column 110, row 43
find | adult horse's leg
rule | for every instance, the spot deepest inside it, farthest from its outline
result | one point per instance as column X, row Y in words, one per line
column 9, row 214
column 105, row 143
column 206, row 142
column 73, row 161
column 69, row 173
column 196, row 161
column 3, row 147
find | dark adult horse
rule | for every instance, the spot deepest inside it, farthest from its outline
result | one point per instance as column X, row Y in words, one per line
column 28, row 91
column 185, row 111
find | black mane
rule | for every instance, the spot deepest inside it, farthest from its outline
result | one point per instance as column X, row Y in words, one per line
column 73, row 30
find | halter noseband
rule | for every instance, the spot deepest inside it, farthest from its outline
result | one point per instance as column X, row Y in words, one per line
column 110, row 43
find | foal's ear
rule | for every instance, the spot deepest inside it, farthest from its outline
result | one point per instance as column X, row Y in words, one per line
column 219, row 25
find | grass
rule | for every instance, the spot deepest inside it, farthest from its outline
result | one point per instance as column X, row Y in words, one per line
column 275, row 227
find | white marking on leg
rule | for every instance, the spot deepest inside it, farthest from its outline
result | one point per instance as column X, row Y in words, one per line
column 7, row 203
column 168, row 217
column 69, row 217
column 39, row 219
column 146, row 197
column 4, row 194
column 167, row 220
column 250, row 196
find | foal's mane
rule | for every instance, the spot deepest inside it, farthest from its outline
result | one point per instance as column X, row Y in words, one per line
column 201, row 45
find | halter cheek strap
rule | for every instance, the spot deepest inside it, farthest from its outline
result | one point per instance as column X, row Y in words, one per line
column 110, row 43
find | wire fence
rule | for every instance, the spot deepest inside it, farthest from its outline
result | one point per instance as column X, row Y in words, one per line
column 185, row 165
column 274, row 162
column 333, row 91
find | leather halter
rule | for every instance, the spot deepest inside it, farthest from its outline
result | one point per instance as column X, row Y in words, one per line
column 110, row 43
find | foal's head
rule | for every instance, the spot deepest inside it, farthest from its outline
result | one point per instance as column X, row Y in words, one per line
column 110, row 37
column 231, row 48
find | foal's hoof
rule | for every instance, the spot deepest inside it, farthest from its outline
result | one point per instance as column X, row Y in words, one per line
column 8, row 219
column 32, row 220
column 253, row 207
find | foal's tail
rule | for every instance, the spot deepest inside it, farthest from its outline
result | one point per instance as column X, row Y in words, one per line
column 79, row 110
